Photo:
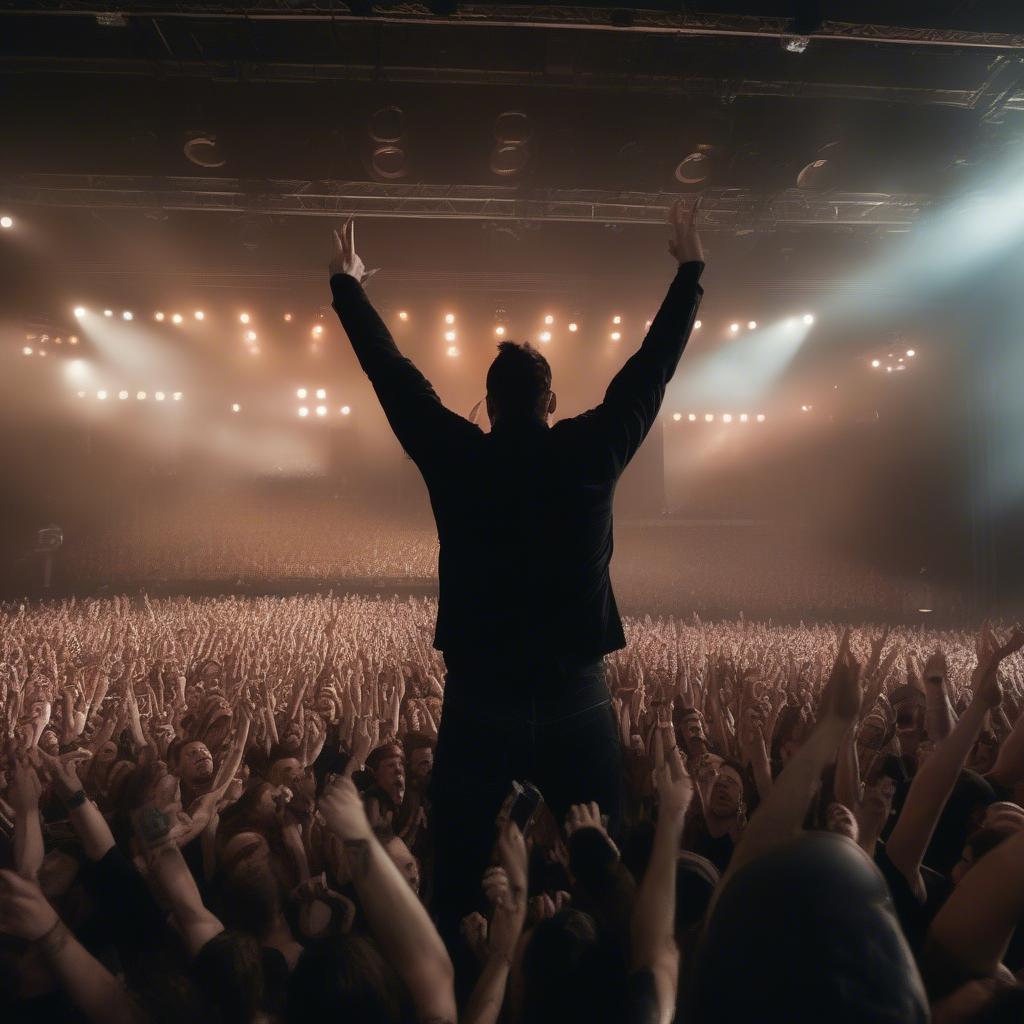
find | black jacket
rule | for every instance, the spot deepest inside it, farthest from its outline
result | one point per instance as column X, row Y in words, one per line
column 524, row 513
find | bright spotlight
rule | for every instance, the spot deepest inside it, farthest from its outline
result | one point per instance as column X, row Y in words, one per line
column 808, row 319
column 734, row 328
column 709, row 417
column 449, row 318
column 615, row 335
column 108, row 312
column 751, row 325
column 303, row 411
column 805, row 408
column 250, row 335
column 79, row 311
column 616, row 319
column 876, row 363
column 301, row 393
column 159, row 317
column 101, row 395
column 73, row 340
column 321, row 393
column 77, row 367
column 911, row 353
column 287, row 318
column 677, row 416
column 403, row 315
column 449, row 335
column 321, row 410
column 345, row 410
column 744, row 417
column 549, row 319
column 159, row 396
column 127, row 315
column 176, row 396
column 177, row 318
column 27, row 350
column 647, row 324
column 123, row 395
column 692, row 417
column 696, row 325
column 545, row 336
column 236, row 407
column 573, row 327
column 6, row 222
column 244, row 318
column 199, row 314
column 761, row 417
column 726, row 417
column 318, row 330
column 141, row 395
column 452, row 351
column 888, row 369
column 499, row 331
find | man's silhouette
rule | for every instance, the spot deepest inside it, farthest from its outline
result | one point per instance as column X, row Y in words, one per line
column 524, row 519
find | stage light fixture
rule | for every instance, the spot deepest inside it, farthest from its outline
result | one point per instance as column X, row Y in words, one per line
column 573, row 327
column 6, row 222
column 321, row 393
column 692, row 417
column 805, row 408
column 27, row 350
column 744, row 417
column 127, row 315
column 726, row 417
column 888, row 369
column 449, row 335
column 303, row 411
column 141, row 396
column 73, row 340
column 761, row 417
column 911, row 353
column 318, row 330
column 452, row 351
column 696, row 325
column 615, row 335
column 751, row 325
column 79, row 311
column 244, row 318
column 42, row 354
column 108, row 312
column 510, row 153
column 876, row 363
column 403, row 315
column 301, row 393
column 250, row 335
column 177, row 318
column 647, row 325
column 549, row 319
column 345, row 410
column 387, row 156
column 159, row 396
column 709, row 417
column 199, row 314
column 123, row 395
column 287, row 318
column 616, row 319
column 545, row 336
column 808, row 319
column 321, row 410
column 449, row 318
column 236, row 407
column 499, row 331
column 734, row 328
column 677, row 416
column 101, row 395
column 159, row 317
column 176, row 396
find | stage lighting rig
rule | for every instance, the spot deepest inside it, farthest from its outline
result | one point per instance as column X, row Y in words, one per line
column 6, row 223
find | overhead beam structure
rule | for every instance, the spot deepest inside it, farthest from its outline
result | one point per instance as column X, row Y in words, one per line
column 723, row 209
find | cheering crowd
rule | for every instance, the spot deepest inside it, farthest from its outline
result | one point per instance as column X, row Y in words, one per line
column 222, row 809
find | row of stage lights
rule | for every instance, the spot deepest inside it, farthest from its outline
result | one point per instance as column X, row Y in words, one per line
column 726, row 417
column 35, row 348
column 900, row 363
column 140, row 396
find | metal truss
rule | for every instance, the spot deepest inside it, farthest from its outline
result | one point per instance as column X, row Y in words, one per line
column 723, row 209
column 593, row 18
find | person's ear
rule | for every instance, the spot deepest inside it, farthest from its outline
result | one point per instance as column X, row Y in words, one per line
column 552, row 403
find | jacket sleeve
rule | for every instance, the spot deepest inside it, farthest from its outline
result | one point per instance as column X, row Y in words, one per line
column 631, row 403
column 420, row 422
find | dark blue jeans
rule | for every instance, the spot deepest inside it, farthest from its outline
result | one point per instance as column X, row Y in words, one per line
column 556, row 730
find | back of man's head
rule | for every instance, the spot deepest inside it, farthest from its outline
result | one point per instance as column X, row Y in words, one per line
column 518, row 382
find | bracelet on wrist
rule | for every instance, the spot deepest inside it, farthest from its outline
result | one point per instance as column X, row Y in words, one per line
column 75, row 800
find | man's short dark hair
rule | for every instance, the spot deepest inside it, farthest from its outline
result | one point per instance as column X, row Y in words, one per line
column 518, row 380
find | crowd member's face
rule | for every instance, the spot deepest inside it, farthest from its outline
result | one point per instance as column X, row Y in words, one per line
column 872, row 733
column 325, row 706
column 692, row 737
column 403, row 859
column 49, row 743
column 286, row 771
column 196, row 763
column 726, row 793
column 421, row 764
column 390, row 776
column 984, row 756
column 839, row 818
column 108, row 753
